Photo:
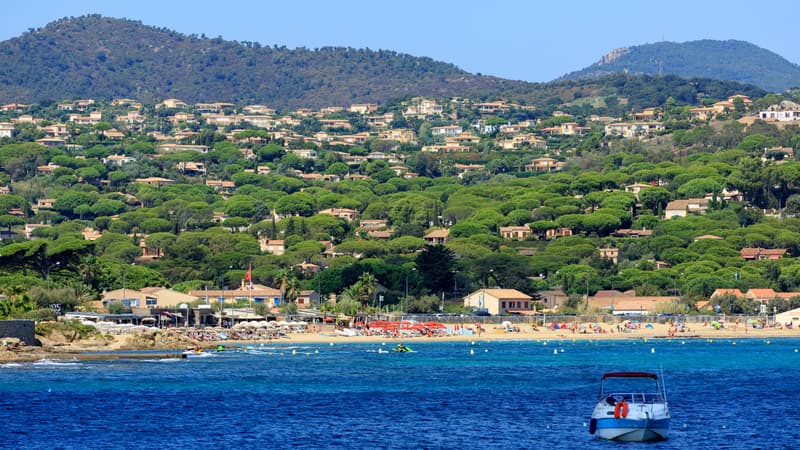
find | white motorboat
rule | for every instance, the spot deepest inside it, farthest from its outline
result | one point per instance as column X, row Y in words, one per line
column 627, row 411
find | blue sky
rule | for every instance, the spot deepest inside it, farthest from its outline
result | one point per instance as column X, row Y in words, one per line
column 524, row 40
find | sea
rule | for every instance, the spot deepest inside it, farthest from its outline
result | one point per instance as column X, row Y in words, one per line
column 723, row 393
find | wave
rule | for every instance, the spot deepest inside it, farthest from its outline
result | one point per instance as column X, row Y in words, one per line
column 56, row 363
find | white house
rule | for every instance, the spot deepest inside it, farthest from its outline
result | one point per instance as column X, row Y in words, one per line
column 784, row 111
column 499, row 301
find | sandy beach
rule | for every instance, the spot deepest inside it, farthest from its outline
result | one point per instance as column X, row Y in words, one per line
column 172, row 341
column 490, row 333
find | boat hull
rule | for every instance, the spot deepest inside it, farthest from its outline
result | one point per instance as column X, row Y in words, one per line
column 630, row 430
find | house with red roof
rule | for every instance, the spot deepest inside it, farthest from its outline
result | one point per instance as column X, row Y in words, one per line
column 760, row 254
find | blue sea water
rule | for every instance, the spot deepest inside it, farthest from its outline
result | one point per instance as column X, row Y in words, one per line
column 512, row 395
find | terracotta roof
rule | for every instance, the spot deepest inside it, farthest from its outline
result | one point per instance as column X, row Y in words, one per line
column 608, row 293
column 438, row 234
column 683, row 204
column 723, row 292
column 505, row 294
column 761, row 293
column 755, row 253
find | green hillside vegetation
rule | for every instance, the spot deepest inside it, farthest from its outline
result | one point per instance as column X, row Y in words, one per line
column 210, row 236
column 105, row 58
column 723, row 60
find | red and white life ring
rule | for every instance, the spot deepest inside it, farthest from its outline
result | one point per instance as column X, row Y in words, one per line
column 621, row 410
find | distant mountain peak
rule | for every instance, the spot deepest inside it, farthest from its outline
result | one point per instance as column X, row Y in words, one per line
column 613, row 55
column 723, row 60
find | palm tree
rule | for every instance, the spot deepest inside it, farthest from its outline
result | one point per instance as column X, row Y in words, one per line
column 289, row 284
column 292, row 289
column 366, row 287
column 88, row 269
column 349, row 301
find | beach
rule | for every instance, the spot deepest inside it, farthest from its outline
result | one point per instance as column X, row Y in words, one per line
column 526, row 332
column 179, row 339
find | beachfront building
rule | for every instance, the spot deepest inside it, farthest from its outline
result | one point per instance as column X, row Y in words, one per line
column 257, row 293
column 789, row 318
column 627, row 303
column 307, row 299
column 499, row 301
column 147, row 297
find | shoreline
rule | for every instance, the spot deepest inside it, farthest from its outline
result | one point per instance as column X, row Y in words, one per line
column 92, row 350
column 548, row 335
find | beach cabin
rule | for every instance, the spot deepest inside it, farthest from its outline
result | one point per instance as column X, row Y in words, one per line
column 147, row 297
column 789, row 319
column 499, row 301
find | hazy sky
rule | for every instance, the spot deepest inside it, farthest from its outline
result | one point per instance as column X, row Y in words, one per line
column 525, row 40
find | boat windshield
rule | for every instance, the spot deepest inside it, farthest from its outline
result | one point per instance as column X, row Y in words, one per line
column 632, row 389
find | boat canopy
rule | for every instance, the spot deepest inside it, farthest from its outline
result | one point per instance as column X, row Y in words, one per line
column 630, row 375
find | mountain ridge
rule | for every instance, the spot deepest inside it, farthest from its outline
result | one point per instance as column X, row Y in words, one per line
column 732, row 60
column 100, row 56
column 104, row 58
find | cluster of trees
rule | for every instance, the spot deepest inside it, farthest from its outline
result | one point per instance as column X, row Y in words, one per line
column 588, row 197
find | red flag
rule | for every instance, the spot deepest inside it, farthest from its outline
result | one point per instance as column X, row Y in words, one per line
column 249, row 275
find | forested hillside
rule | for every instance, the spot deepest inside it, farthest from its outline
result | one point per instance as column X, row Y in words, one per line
column 105, row 58
column 723, row 60
column 95, row 56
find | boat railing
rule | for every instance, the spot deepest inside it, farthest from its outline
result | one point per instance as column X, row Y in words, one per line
column 637, row 397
